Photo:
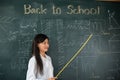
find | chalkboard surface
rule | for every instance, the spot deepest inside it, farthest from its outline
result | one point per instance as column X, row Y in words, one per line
column 68, row 23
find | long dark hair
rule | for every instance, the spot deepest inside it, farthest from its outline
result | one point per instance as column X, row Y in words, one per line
column 39, row 38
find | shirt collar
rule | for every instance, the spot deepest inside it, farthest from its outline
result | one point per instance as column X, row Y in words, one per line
column 44, row 58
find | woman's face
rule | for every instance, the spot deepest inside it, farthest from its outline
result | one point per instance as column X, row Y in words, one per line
column 43, row 47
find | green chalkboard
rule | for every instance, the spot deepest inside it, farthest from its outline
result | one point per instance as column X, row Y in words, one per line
column 67, row 23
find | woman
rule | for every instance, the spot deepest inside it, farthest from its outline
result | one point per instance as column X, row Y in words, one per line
column 40, row 65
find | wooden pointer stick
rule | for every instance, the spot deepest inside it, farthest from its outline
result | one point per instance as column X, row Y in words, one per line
column 74, row 56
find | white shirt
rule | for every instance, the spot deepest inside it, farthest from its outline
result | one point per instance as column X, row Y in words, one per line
column 47, row 69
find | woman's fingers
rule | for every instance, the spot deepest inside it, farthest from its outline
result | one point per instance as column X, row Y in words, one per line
column 54, row 78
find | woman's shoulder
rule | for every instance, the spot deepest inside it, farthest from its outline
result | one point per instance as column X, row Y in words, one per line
column 32, row 62
column 32, row 59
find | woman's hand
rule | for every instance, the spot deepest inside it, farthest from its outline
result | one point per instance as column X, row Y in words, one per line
column 54, row 78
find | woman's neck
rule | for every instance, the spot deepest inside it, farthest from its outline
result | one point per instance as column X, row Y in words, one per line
column 43, row 54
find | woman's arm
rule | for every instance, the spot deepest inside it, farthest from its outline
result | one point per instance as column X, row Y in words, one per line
column 31, row 72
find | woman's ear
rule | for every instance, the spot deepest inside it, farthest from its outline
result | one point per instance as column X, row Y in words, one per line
column 37, row 45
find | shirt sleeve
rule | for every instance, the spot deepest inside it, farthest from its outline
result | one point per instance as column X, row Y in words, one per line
column 31, row 72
